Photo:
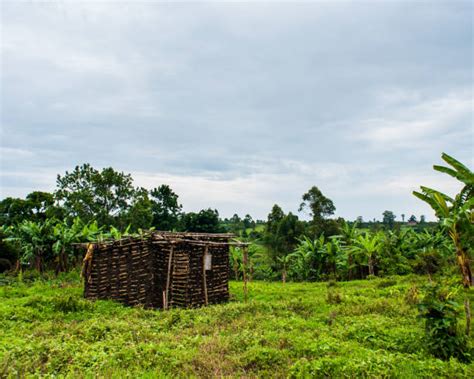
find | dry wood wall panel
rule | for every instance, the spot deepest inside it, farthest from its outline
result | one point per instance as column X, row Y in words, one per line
column 134, row 271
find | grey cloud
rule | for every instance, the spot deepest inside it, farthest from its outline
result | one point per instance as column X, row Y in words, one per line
column 240, row 91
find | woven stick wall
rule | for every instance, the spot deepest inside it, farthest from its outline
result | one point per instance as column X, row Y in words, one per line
column 160, row 270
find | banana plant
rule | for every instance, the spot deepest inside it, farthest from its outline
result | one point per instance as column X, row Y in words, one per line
column 285, row 263
column 236, row 260
column 456, row 214
column 65, row 236
column 34, row 239
column 346, row 237
column 309, row 258
column 365, row 247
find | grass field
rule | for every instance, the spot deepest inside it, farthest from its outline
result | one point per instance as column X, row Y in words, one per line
column 352, row 329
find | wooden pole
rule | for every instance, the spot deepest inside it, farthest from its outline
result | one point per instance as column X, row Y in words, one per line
column 245, row 263
column 204, row 279
column 170, row 258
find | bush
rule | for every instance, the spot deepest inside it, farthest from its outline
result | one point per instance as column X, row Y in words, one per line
column 441, row 313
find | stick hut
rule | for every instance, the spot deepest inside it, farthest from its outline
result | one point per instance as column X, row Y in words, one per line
column 160, row 269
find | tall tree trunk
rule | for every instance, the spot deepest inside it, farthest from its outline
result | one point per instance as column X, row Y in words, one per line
column 283, row 275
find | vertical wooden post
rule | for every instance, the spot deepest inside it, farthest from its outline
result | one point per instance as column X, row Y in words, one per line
column 245, row 263
column 170, row 258
column 204, row 279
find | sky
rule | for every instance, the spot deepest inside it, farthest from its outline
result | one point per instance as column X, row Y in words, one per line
column 238, row 106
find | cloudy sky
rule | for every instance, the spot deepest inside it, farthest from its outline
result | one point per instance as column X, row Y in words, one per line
column 240, row 106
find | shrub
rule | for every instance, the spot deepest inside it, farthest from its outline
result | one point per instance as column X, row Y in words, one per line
column 441, row 313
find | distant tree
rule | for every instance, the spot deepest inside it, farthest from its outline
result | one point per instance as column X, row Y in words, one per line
column 37, row 206
column 403, row 217
column 274, row 218
column 235, row 219
column 412, row 219
column 236, row 224
column 281, row 236
column 319, row 205
column 140, row 213
column 388, row 218
column 359, row 220
column 422, row 219
column 289, row 229
column 14, row 211
column 206, row 221
column 165, row 208
column 248, row 221
column 91, row 194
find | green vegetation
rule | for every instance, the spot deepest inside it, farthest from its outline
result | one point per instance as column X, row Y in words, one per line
column 391, row 307
column 368, row 328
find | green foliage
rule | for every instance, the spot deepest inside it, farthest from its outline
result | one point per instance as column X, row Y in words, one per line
column 319, row 206
column 91, row 194
column 442, row 313
column 456, row 214
column 389, row 219
column 205, row 221
column 165, row 208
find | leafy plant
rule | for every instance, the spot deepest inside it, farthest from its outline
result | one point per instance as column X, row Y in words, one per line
column 456, row 214
column 441, row 313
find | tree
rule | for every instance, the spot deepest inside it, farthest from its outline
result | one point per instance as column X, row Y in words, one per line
column 165, row 207
column 236, row 224
column 140, row 212
column 39, row 203
column 456, row 214
column 206, row 221
column 412, row 219
column 91, row 194
column 289, row 230
column 319, row 205
column 281, row 236
column 37, row 206
column 248, row 222
column 388, row 219
column 403, row 217
column 13, row 211
column 274, row 217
